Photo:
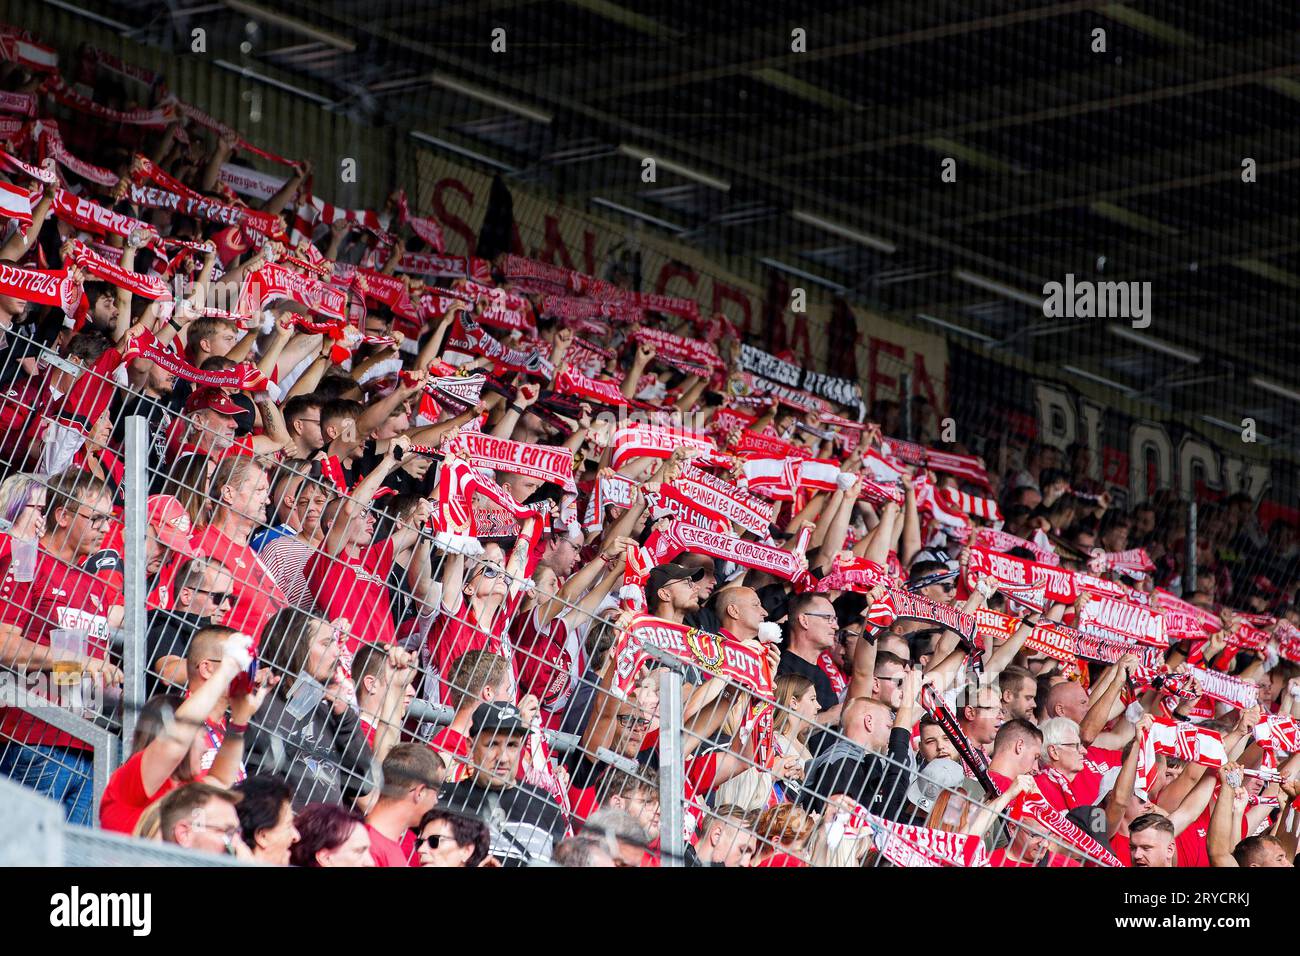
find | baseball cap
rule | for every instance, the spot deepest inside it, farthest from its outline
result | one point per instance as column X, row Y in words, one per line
column 212, row 398
column 171, row 523
column 666, row 574
column 497, row 716
column 938, row 776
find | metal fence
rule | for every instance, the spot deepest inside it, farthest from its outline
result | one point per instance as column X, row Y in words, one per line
column 120, row 554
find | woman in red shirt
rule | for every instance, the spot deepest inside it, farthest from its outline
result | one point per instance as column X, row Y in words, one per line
column 477, row 609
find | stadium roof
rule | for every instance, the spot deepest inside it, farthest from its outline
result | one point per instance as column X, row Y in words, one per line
column 1117, row 166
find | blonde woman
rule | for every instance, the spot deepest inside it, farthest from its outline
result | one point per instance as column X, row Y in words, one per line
column 796, row 711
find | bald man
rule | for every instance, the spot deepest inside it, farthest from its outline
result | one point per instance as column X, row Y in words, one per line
column 871, row 764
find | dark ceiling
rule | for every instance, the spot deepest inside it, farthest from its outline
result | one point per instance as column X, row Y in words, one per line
column 1122, row 165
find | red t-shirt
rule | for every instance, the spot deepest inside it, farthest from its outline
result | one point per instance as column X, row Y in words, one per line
column 549, row 662
column 782, row 860
column 1083, row 792
column 1003, row 783
column 455, row 634
column 59, row 596
column 999, row 858
column 254, row 594
column 386, row 852
column 125, row 798
column 354, row 588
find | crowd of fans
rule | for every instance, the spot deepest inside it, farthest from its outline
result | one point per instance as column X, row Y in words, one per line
column 423, row 531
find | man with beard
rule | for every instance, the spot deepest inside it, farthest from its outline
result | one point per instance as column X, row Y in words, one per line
column 671, row 591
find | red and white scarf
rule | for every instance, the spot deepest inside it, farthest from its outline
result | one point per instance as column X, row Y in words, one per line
column 1110, row 616
column 50, row 145
column 826, row 664
column 854, row 574
column 572, row 382
column 1002, row 541
column 912, row 846
column 207, row 209
column 1009, row 569
column 429, row 230
column 737, row 505
column 543, row 462
column 38, row 173
column 17, row 46
column 1134, row 560
column 774, row 478
column 144, row 170
column 435, row 265
column 683, row 508
column 15, row 204
column 275, row 281
column 1239, row 693
column 1033, row 807
column 986, row 508
column 896, row 603
column 65, row 95
column 244, row 376
column 679, row 350
column 91, row 262
column 609, row 491
column 81, row 212
column 649, row 441
column 51, row 288
column 567, row 307
column 967, row 467
column 667, row 545
column 468, row 336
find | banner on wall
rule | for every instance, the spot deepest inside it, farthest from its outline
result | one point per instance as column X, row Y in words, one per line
column 562, row 236
column 1131, row 456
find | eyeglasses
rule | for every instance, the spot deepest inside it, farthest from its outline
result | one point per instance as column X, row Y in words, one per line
column 1073, row 745
column 640, row 723
column 433, row 841
column 948, row 587
column 488, row 570
column 825, row 614
column 96, row 519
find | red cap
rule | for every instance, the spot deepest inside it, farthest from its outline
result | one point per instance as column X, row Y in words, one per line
column 171, row 524
column 213, row 398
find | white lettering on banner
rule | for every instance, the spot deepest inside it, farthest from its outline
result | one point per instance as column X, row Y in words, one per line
column 76, row 619
column 1119, row 617
column 1014, row 570
column 1063, row 419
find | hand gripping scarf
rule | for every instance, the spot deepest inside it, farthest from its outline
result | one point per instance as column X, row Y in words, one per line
column 912, row 846
column 1033, row 807
column 975, row 760
column 667, row 545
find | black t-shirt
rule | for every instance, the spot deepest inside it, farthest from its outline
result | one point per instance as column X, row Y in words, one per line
column 878, row 783
column 793, row 664
column 525, row 822
column 159, row 416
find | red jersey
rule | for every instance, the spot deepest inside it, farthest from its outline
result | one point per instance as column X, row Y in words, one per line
column 549, row 662
column 1082, row 791
column 125, row 798
column 254, row 594
column 386, row 852
column 782, row 860
column 354, row 588
column 999, row 858
column 58, row 597
column 454, row 635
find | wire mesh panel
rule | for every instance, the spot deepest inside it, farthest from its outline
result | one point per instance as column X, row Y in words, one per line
column 369, row 536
